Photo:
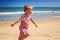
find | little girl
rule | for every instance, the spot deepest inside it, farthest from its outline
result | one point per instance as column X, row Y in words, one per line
column 25, row 18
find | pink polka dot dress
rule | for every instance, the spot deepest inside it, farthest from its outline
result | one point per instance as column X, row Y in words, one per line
column 24, row 25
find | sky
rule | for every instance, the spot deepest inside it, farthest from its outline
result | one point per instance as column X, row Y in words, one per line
column 35, row 3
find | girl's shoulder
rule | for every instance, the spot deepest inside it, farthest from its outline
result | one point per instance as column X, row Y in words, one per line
column 23, row 16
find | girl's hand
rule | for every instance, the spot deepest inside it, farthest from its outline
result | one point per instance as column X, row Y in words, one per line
column 36, row 25
column 12, row 24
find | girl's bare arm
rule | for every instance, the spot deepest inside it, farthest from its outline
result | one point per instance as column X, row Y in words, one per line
column 34, row 22
column 17, row 21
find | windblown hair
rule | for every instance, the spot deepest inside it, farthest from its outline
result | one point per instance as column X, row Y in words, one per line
column 26, row 7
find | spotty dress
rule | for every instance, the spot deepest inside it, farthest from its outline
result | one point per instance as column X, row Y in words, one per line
column 24, row 25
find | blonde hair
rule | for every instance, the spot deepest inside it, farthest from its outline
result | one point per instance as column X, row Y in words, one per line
column 27, row 7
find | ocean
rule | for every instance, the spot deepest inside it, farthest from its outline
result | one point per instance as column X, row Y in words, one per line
column 41, row 13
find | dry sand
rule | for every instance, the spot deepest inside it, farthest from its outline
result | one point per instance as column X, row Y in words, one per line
column 47, row 30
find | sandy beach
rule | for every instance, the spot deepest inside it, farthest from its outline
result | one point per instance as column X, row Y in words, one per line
column 48, row 30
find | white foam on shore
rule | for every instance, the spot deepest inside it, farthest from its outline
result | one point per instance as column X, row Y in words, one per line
column 21, row 12
column 55, row 16
column 57, row 11
column 11, row 13
column 42, row 11
column 32, row 12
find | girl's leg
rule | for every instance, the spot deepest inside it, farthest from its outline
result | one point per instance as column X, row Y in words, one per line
column 25, row 33
column 20, row 38
column 25, row 36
